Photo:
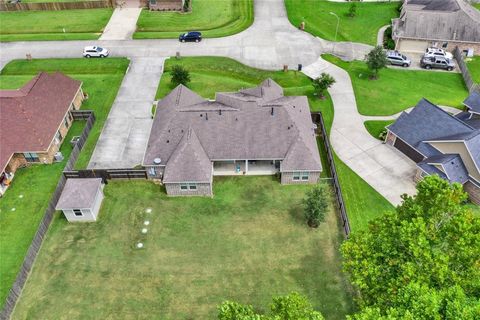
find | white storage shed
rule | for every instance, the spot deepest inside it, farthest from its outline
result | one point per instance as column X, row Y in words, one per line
column 81, row 199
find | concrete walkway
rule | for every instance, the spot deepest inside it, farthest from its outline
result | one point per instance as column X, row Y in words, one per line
column 383, row 167
column 125, row 134
column 380, row 34
column 122, row 24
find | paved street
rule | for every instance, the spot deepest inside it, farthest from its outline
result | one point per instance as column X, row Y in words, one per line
column 269, row 43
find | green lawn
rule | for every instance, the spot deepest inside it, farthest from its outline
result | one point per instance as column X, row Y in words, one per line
column 477, row 5
column 101, row 80
column 48, row 25
column 473, row 65
column 212, row 74
column 214, row 18
column 375, row 127
column 247, row 243
column 398, row 89
column 362, row 28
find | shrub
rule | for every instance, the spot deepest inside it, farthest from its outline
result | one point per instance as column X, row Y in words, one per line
column 316, row 205
column 322, row 83
column 180, row 75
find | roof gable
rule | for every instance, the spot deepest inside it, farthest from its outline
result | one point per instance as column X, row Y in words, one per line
column 472, row 102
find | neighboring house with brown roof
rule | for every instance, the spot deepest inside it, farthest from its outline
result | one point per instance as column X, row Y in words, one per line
column 441, row 144
column 256, row 131
column 446, row 23
column 35, row 119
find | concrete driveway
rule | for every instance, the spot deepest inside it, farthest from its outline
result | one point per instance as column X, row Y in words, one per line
column 125, row 134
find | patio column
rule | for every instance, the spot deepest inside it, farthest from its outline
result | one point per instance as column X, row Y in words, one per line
column 246, row 166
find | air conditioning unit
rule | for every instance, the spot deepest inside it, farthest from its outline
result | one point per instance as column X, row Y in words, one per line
column 58, row 157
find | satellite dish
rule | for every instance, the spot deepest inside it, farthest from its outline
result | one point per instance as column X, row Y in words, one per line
column 157, row 160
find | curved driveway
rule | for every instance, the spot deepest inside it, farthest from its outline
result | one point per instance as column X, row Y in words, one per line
column 270, row 43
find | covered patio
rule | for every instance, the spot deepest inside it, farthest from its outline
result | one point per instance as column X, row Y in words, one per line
column 245, row 167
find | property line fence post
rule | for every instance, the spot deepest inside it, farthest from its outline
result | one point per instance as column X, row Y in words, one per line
column 467, row 77
column 36, row 244
column 333, row 171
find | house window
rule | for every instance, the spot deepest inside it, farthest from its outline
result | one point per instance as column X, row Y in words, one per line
column 304, row 176
column 58, row 137
column 66, row 121
column 188, row 186
column 31, row 157
column 77, row 212
column 296, row 176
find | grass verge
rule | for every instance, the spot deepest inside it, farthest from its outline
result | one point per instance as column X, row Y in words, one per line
column 375, row 127
column 247, row 243
column 32, row 187
column 397, row 89
column 214, row 18
column 320, row 22
column 53, row 25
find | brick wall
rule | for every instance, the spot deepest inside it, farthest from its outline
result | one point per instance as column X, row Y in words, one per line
column 203, row 189
column 167, row 5
column 17, row 161
column 390, row 139
column 77, row 101
column 287, row 178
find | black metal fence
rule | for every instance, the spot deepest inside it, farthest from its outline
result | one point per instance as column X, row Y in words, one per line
column 106, row 174
column 318, row 119
column 36, row 244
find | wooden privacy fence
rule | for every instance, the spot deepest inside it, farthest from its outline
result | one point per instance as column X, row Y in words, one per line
column 318, row 119
column 467, row 77
column 106, row 174
column 36, row 244
column 54, row 6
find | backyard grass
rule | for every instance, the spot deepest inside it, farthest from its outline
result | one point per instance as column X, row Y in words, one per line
column 214, row 18
column 375, row 127
column 397, row 89
column 247, row 243
column 473, row 65
column 101, row 80
column 362, row 28
column 212, row 74
column 49, row 25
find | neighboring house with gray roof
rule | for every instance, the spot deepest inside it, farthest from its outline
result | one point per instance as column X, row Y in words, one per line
column 256, row 131
column 446, row 23
column 441, row 144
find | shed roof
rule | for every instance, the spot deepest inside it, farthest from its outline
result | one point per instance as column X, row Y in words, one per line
column 31, row 115
column 79, row 194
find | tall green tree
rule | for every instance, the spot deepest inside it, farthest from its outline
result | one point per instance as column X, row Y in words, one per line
column 352, row 10
column 180, row 75
column 421, row 261
column 376, row 60
column 316, row 205
column 291, row 307
column 322, row 83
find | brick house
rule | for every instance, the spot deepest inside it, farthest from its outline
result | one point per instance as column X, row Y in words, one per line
column 445, row 23
column 441, row 143
column 256, row 131
column 34, row 121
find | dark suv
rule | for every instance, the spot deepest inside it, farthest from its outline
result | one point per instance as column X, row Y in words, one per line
column 190, row 36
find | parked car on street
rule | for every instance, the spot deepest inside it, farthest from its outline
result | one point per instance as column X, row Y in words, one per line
column 437, row 52
column 397, row 59
column 190, row 36
column 437, row 63
column 94, row 51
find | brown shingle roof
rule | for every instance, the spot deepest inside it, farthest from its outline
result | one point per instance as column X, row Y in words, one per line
column 238, row 126
column 31, row 115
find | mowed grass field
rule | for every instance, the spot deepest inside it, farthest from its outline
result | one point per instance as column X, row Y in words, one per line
column 50, row 25
column 375, row 127
column 320, row 22
column 397, row 89
column 247, row 243
column 213, row 74
column 473, row 65
column 32, row 187
column 214, row 18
